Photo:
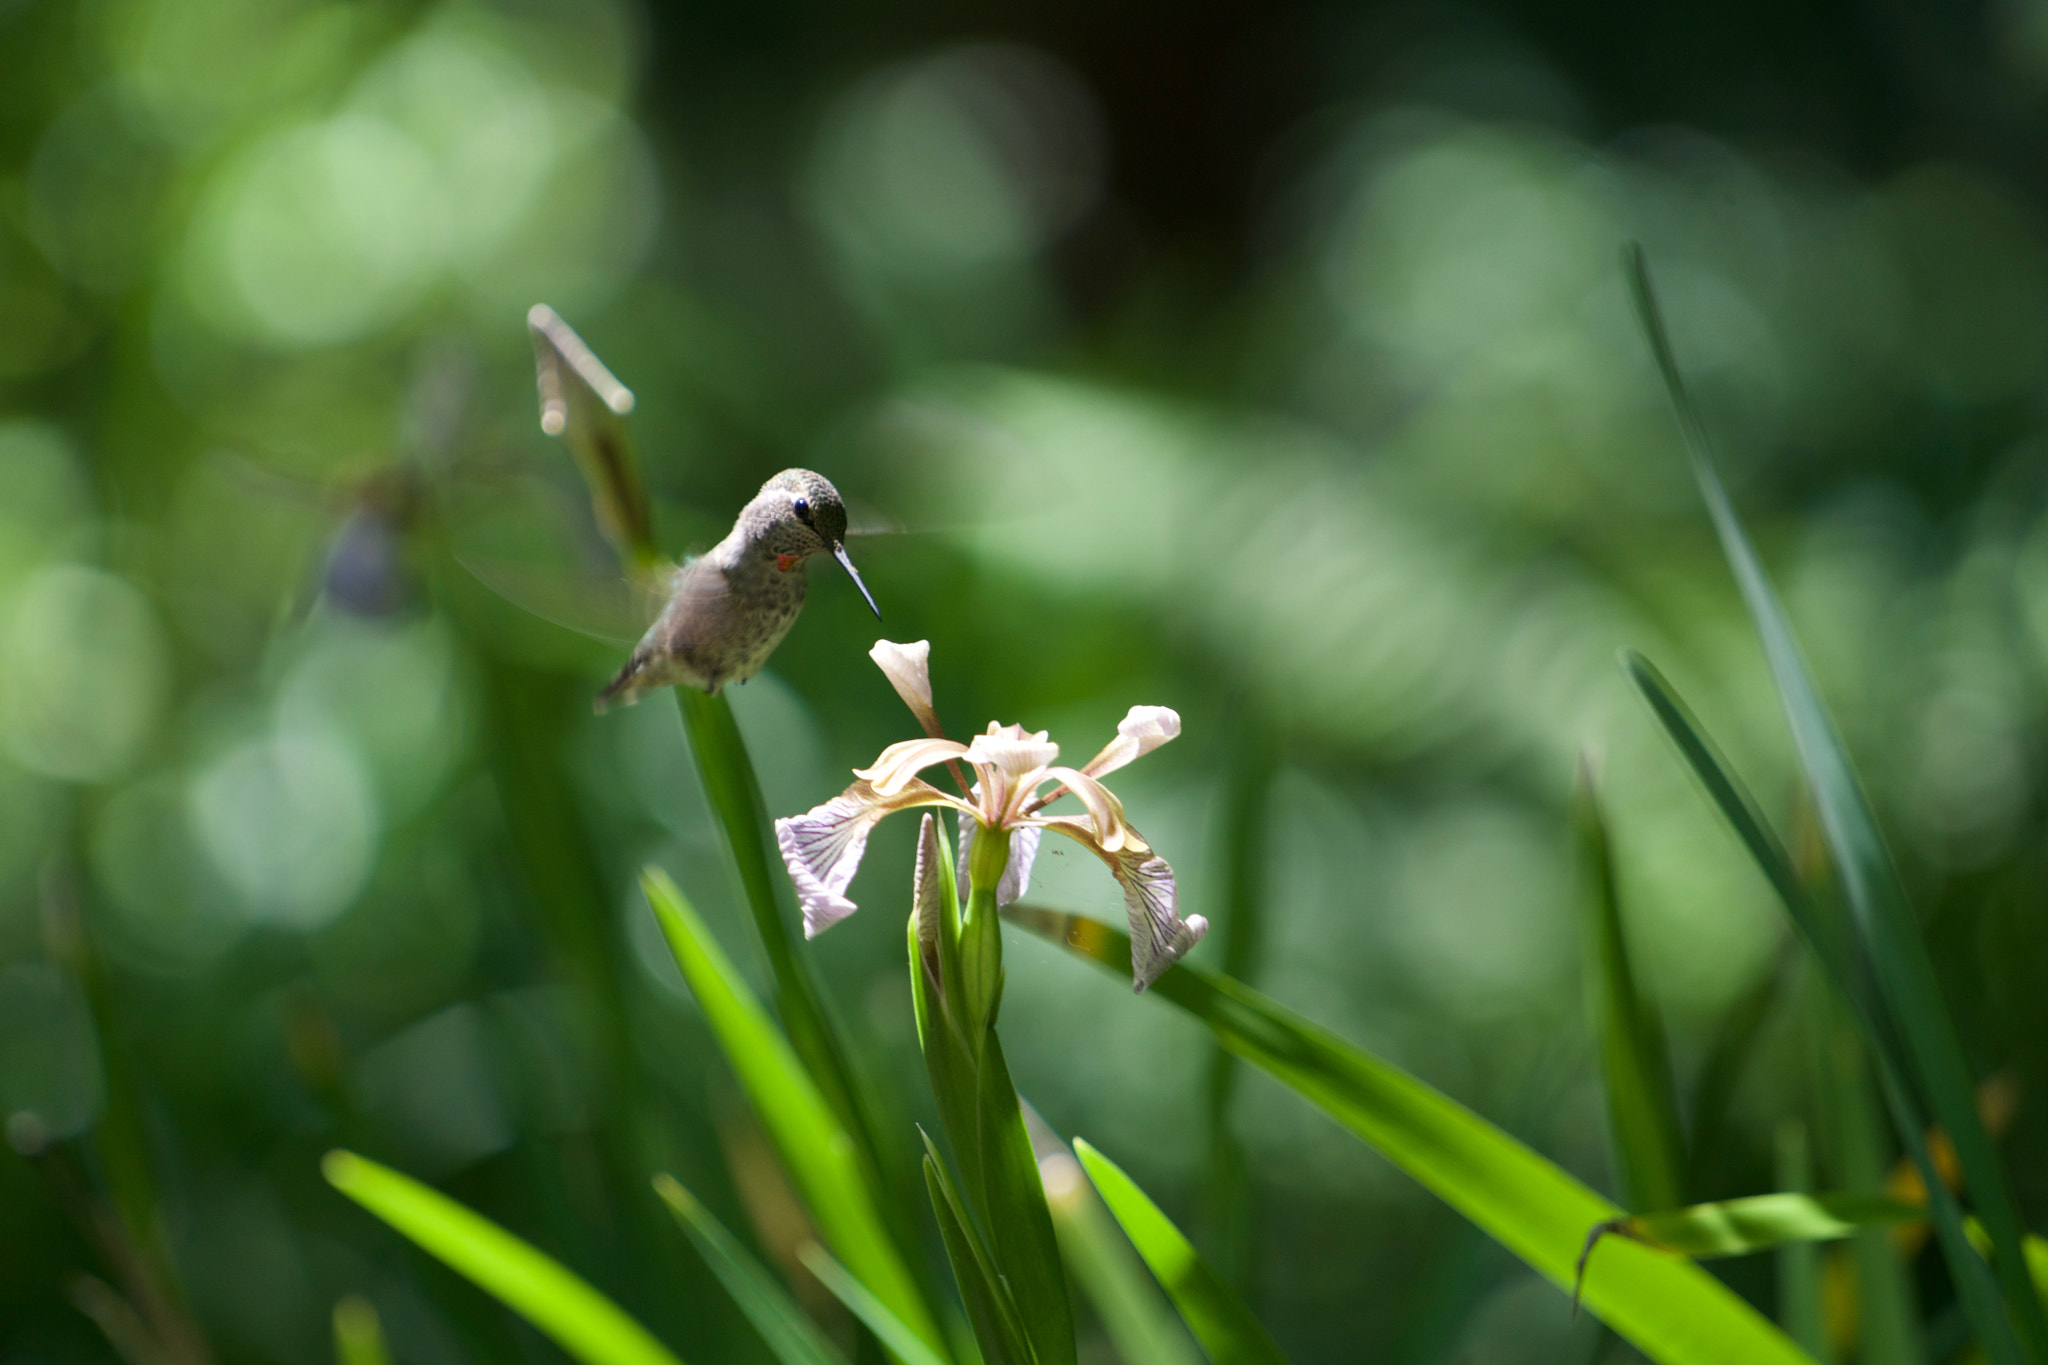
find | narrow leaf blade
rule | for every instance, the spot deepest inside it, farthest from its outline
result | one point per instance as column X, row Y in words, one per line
column 1212, row 1311
column 1027, row 1253
column 1642, row 1105
column 1671, row 1309
column 784, row 1326
column 887, row 1327
column 1871, row 886
column 813, row 1144
column 560, row 1303
column 989, row 1310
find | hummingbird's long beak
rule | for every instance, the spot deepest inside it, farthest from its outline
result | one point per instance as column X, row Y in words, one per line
column 839, row 553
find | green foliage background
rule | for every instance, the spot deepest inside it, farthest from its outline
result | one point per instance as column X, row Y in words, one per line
column 1267, row 362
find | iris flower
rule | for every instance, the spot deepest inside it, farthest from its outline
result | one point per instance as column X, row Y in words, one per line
column 824, row 847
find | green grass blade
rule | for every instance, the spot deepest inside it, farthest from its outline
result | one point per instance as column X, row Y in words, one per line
column 1848, row 972
column 989, row 1309
column 561, row 1304
column 887, row 1327
column 1729, row 1051
column 1211, row 1309
column 1027, row 1253
column 1140, row 1323
column 1876, row 898
column 1642, row 1106
column 358, row 1335
column 1888, row 1311
column 815, row 1148
column 1671, row 1309
column 1799, row 1295
column 735, row 796
column 790, row 1334
column 1763, row 1222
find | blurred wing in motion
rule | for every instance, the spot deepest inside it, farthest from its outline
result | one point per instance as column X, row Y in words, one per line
column 584, row 405
column 615, row 609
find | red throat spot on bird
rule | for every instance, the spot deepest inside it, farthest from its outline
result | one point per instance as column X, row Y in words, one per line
column 788, row 562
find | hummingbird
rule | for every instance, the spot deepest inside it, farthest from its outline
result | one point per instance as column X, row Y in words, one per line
column 730, row 607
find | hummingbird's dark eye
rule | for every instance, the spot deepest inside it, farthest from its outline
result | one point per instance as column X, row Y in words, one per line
column 803, row 510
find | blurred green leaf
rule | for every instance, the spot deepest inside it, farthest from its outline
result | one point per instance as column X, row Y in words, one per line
column 814, row 1145
column 887, row 1327
column 358, row 1335
column 1212, row 1311
column 1670, row 1309
column 789, row 1332
column 990, row 1310
column 581, row 1321
column 1799, row 1295
column 1642, row 1107
column 1140, row 1323
column 1884, row 922
column 1759, row 1222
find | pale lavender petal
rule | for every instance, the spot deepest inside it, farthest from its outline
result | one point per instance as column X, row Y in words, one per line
column 1159, row 936
column 823, row 847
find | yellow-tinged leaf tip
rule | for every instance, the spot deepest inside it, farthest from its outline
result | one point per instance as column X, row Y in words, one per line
column 340, row 1166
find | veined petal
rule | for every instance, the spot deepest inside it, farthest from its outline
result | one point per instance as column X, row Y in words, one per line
column 1111, row 833
column 899, row 764
column 823, row 847
column 1159, row 936
column 1137, row 734
column 1023, row 853
column 908, row 669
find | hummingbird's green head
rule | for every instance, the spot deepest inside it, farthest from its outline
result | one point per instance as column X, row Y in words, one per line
column 803, row 515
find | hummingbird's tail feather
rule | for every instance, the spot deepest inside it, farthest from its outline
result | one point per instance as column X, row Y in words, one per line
column 625, row 689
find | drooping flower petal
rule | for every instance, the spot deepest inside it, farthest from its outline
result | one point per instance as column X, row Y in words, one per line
column 1023, row 853
column 1137, row 734
column 908, row 669
column 823, row 847
column 1159, row 936
column 1103, row 808
column 899, row 764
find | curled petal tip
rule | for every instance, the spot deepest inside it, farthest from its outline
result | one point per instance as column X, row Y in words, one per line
column 908, row 669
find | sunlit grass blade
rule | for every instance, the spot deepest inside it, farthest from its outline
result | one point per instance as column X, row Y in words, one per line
column 560, row 1303
column 887, row 1327
column 1761, row 1222
column 1670, row 1309
column 990, row 1310
column 1211, row 1309
column 1876, row 898
column 1138, row 1320
column 813, row 1144
column 1026, row 1251
column 788, row 1331
column 358, row 1335
column 1642, row 1108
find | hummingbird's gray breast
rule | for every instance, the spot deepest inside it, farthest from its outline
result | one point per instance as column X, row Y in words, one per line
column 723, row 621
